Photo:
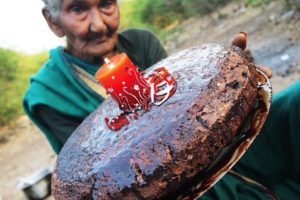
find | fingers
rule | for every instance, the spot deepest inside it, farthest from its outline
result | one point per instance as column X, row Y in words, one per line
column 266, row 70
column 240, row 40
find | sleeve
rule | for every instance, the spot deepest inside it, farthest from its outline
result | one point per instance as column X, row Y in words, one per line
column 60, row 125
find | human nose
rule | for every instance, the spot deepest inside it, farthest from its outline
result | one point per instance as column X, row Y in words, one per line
column 97, row 22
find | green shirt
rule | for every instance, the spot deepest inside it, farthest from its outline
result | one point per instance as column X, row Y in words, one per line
column 58, row 100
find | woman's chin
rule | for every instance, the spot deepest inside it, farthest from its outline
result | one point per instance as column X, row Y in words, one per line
column 102, row 51
column 99, row 55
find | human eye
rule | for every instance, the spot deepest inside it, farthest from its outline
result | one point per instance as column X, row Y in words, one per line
column 108, row 5
column 77, row 9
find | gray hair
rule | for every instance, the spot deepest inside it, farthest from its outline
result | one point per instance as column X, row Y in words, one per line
column 54, row 7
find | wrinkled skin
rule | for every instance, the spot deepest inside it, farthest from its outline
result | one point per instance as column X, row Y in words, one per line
column 90, row 27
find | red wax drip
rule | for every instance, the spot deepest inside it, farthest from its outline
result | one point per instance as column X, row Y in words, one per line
column 117, row 123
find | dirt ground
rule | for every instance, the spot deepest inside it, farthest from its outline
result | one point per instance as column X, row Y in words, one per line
column 273, row 38
column 23, row 151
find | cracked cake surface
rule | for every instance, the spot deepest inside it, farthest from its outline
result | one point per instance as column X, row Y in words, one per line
column 168, row 145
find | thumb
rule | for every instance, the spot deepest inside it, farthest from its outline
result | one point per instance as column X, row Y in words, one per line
column 240, row 40
column 266, row 70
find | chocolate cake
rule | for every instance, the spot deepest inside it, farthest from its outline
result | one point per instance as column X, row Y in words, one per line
column 165, row 148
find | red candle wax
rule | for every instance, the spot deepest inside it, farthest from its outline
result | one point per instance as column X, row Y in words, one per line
column 122, row 80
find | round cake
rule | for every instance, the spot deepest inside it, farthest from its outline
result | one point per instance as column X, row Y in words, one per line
column 162, row 151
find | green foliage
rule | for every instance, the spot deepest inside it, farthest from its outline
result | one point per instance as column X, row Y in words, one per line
column 15, row 69
column 131, row 15
column 8, row 69
column 8, row 61
column 258, row 3
column 162, row 16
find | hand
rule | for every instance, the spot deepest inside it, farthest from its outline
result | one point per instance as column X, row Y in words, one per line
column 266, row 70
column 240, row 40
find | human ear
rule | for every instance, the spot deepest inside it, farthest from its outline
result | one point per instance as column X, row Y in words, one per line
column 53, row 24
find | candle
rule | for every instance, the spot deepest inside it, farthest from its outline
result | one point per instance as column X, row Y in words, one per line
column 122, row 80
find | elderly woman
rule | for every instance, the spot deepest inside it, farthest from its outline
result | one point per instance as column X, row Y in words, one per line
column 60, row 96
column 64, row 92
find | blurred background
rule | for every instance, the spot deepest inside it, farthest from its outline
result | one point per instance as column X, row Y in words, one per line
column 273, row 29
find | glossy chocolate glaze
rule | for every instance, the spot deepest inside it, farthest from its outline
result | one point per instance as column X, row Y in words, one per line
column 168, row 145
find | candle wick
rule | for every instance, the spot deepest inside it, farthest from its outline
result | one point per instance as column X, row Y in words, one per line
column 107, row 61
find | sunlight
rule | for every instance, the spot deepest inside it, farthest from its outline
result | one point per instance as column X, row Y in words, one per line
column 23, row 27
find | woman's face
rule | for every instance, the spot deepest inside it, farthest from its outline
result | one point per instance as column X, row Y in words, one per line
column 90, row 27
